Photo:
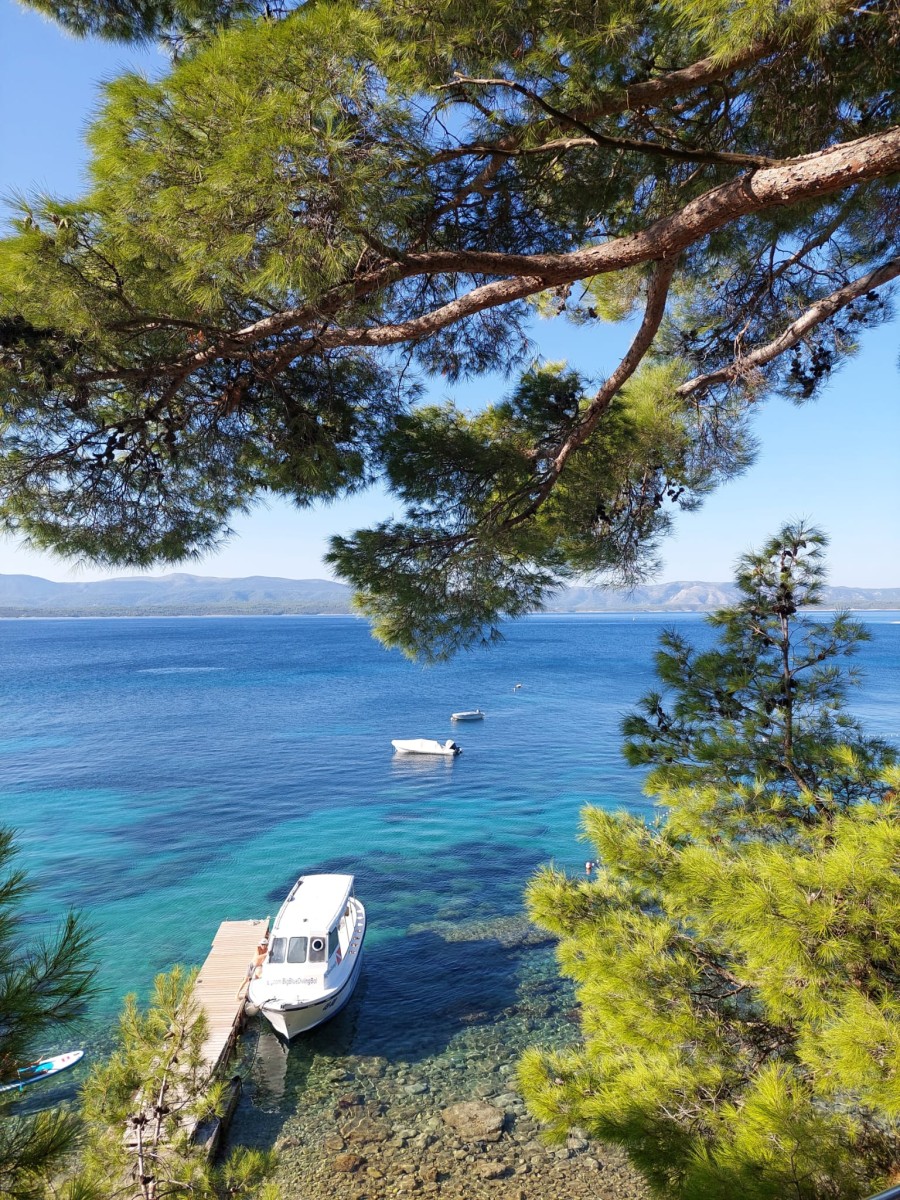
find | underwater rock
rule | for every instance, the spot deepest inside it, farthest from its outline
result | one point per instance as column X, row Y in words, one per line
column 475, row 1120
column 492, row 1170
column 373, row 1068
column 366, row 1130
column 474, row 1018
column 510, row 931
column 348, row 1163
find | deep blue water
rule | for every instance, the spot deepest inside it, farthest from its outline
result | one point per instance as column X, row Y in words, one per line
column 165, row 775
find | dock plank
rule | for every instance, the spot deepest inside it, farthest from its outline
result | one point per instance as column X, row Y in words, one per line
column 219, row 984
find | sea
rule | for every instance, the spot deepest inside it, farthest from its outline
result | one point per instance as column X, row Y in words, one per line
column 164, row 775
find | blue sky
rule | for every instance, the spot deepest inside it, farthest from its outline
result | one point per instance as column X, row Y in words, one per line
column 834, row 461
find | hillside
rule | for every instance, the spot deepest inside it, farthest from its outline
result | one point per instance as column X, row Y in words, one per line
column 696, row 596
column 197, row 595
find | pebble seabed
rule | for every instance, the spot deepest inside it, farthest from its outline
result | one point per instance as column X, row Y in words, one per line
column 448, row 1123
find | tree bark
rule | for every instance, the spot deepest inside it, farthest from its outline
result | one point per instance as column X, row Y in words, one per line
column 796, row 181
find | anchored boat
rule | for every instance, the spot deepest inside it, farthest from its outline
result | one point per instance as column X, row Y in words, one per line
column 312, row 960
column 426, row 746
column 473, row 714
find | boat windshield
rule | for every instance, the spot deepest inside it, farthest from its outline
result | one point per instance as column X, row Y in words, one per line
column 292, row 950
column 297, row 950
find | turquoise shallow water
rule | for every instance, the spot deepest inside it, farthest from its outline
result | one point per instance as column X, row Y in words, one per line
column 165, row 775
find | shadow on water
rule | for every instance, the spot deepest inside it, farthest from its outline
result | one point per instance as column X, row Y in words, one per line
column 440, row 1037
column 276, row 1073
column 415, row 995
column 433, row 988
column 275, row 1077
column 45, row 1096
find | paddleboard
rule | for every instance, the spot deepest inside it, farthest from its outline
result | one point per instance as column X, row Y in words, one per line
column 42, row 1069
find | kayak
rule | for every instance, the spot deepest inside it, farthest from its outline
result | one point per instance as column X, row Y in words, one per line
column 42, row 1069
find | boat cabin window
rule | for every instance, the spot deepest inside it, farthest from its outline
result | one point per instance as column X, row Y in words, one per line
column 297, row 950
column 317, row 948
column 333, row 942
column 276, row 950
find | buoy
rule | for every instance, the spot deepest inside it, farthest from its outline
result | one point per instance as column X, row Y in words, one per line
column 250, row 1009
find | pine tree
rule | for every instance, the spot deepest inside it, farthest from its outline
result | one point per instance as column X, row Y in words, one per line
column 322, row 205
column 46, row 982
column 753, row 736
column 736, row 960
column 142, row 1106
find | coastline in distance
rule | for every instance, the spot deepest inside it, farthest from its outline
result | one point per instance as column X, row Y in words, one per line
column 182, row 594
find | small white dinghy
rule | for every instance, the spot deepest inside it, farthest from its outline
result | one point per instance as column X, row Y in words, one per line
column 473, row 714
column 42, row 1069
column 313, row 958
column 426, row 746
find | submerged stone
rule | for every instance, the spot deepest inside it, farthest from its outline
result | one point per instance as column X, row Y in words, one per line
column 349, row 1163
column 475, row 1120
column 366, row 1130
column 492, row 1170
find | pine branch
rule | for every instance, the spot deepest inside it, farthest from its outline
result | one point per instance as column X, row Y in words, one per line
column 594, row 137
column 793, row 182
column 657, row 293
column 641, row 94
column 822, row 310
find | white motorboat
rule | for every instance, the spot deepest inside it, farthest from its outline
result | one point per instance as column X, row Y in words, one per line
column 473, row 714
column 312, row 962
column 426, row 746
column 42, row 1069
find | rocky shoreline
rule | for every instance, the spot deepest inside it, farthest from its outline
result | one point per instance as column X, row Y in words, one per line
column 476, row 1149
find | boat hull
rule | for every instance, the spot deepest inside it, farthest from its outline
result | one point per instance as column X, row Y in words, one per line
column 426, row 746
column 289, row 1020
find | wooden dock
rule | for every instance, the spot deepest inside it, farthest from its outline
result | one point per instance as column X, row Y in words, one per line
column 220, row 986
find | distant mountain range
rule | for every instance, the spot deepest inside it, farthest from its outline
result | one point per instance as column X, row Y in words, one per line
column 170, row 595
column 180, row 594
column 693, row 596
